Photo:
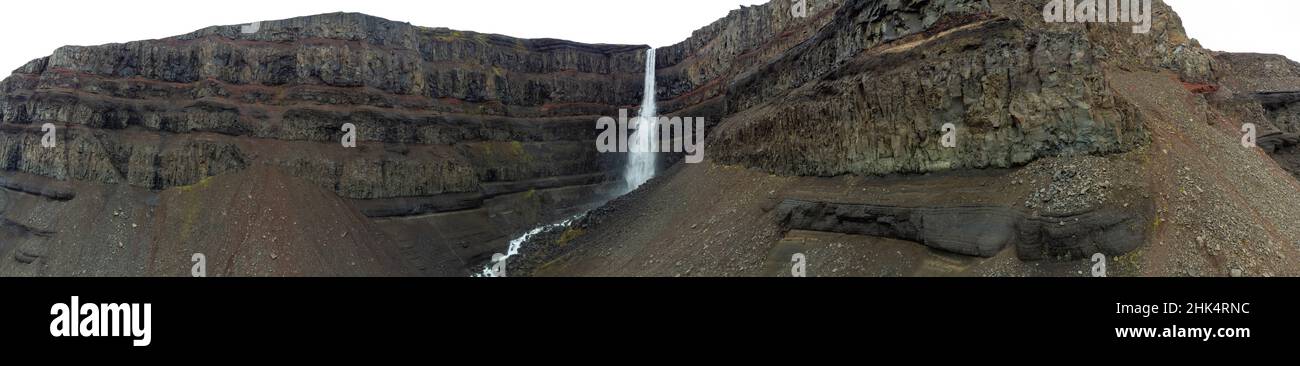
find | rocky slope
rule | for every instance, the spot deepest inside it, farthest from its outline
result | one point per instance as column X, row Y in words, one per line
column 1265, row 89
column 1117, row 143
column 492, row 130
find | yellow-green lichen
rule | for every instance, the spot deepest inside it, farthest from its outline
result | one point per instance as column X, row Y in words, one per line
column 569, row 235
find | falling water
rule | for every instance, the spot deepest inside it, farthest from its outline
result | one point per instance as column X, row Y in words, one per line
column 641, row 156
column 640, row 162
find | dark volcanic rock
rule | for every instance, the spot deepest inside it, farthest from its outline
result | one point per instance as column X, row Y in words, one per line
column 978, row 230
column 866, row 86
column 851, row 97
column 446, row 120
column 1266, row 90
column 301, row 79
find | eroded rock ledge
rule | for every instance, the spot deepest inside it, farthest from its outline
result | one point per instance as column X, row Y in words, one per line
column 981, row 231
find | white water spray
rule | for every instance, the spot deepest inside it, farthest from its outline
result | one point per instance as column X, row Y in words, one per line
column 641, row 156
column 517, row 244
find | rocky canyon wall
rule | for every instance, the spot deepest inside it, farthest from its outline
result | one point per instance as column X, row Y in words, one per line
column 495, row 130
column 437, row 111
column 866, row 87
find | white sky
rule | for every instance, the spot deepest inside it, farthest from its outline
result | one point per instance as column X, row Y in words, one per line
column 1260, row 26
column 32, row 29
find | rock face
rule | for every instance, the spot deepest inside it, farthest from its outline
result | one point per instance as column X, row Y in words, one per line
column 973, row 230
column 866, row 87
column 450, row 110
column 1265, row 89
column 445, row 120
column 872, row 85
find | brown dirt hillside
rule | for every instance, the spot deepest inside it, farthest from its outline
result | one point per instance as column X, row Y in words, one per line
column 1222, row 206
column 256, row 222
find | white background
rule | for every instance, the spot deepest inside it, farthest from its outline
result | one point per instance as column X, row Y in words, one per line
column 31, row 29
column 1260, row 26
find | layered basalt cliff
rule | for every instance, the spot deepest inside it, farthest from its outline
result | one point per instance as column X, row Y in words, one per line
column 446, row 121
column 865, row 87
column 693, row 75
column 465, row 108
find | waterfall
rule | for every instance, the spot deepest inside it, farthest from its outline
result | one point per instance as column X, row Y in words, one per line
column 642, row 144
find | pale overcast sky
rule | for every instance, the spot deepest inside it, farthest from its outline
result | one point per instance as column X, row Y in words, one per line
column 33, row 29
column 1260, row 26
